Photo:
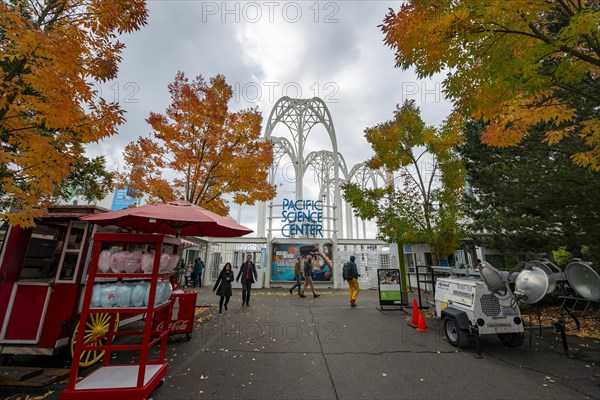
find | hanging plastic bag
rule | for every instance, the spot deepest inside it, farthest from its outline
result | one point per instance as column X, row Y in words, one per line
column 133, row 262
column 107, row 296
column 164, row 263
column 123, row 295
column 96, row 295
column 167, row 291
column 147, row 262
column 173, row 261
column 105, row 261
column 137, row 294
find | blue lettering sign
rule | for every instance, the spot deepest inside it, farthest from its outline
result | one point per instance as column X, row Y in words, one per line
column 302, row 217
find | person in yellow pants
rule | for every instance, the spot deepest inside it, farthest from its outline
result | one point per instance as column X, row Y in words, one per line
column 353, row 288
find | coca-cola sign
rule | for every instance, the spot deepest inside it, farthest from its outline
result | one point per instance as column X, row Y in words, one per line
column 181, row 325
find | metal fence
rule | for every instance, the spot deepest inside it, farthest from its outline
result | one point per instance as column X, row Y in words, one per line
column 371, row 255
column 368, row 262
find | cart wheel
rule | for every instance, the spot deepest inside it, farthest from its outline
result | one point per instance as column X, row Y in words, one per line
column 456, row 337
column 96, row 327
column 512, row 340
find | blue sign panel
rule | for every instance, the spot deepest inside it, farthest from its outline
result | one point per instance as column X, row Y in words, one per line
column 123, row 198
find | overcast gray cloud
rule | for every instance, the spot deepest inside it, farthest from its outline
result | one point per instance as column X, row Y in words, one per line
column 267, row 50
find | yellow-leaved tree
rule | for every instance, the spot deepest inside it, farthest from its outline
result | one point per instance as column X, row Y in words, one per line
column 201, row 151
column 515, row 64
column 51, row 54
column 422, row 200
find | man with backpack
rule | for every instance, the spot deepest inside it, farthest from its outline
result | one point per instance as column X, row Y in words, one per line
column 350, row 273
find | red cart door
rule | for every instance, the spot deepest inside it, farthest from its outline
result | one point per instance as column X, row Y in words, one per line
column 14, row 247
column 26, row 313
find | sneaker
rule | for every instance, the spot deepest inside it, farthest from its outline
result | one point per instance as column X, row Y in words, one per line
column 290, row 291
column 220, row 313
column 316, row 295
column 301, row 295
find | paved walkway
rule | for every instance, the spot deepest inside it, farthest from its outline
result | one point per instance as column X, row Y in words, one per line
column 286, row 347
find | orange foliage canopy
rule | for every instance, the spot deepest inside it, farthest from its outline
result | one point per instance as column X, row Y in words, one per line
column 51, row 52
column 515, row 64
column 201, row 151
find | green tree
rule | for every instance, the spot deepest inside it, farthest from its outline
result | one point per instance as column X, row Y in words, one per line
column 421, row 204
column 561, row 256
column 88, row 179
column 513, row 63
column 531, row 197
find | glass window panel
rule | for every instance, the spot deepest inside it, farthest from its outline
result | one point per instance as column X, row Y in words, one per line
column 76, row 235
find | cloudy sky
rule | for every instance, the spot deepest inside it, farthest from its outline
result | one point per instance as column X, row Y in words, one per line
column 267, row 50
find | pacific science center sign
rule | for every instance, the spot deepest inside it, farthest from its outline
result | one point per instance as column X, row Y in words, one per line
column 302, row 218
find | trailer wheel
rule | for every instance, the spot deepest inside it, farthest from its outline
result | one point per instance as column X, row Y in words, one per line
column 456, row 337
column 513, row 340
column 95, row 330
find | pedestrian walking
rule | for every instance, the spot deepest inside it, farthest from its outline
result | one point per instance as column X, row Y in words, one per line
column 248, row 274
column 223, row 286
column 350, row 273
column 198, row 268
column 308, row 274
column 297, row 276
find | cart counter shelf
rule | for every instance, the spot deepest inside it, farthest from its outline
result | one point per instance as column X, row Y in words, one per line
column 101, row 383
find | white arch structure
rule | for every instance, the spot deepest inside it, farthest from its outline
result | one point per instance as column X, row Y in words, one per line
column 331, row 170
column 299, row 116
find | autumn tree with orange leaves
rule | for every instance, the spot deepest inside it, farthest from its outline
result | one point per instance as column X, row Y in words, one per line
column 514, row 64
column 51, row 54
column 201, row 151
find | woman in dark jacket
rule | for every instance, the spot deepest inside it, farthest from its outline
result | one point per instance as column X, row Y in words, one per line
column 224, row 286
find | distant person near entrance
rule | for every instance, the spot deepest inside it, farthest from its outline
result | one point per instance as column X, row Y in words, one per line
column 308, row 274
column 248, row 274
column 297, row 276
column 350, row 273
column 198, row 268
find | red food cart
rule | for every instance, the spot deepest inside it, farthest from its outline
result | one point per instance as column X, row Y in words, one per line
column 43, row 272
column 131, row 381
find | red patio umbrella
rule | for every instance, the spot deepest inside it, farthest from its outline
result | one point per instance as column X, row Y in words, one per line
column 179, row 218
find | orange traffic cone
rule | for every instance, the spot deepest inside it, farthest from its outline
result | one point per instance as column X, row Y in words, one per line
column 422, row 327
column 415, row 314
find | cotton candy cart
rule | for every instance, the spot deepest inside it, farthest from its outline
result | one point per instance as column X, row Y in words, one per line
column 125, row 381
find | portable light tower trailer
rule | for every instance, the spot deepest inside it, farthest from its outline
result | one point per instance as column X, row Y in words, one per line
column 469, row 308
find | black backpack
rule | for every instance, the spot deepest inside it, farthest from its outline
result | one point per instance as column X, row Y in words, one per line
column 347, row 271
